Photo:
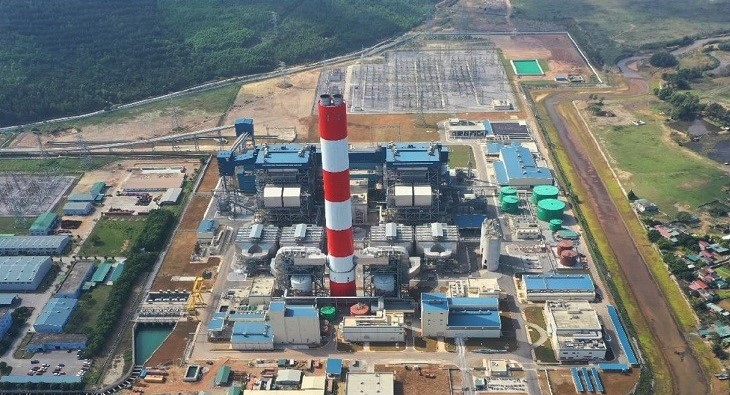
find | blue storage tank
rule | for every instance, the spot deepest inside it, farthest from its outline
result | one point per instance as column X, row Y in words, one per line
column 243, row 126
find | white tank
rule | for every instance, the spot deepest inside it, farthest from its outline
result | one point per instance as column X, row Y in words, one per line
column 490, row 245
column 384, row 284
column 301, row 284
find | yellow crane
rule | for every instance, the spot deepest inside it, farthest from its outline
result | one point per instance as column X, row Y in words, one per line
column 196, row 296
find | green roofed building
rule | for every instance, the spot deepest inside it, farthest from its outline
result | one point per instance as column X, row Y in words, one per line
column 223, row 376
column 44, row 224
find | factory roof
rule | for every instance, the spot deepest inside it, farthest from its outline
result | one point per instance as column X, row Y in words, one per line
column 486, row 318
column 44, row 242
column 172, row 195
column 98, row 187
column 283, row 155
column 300, row 311
column 83, row 197
column 517, row 162
column 287, row 376
column 223, row 375
column 76, row 277
column 370, row 383
column 216, row 324
column 558, row 282
column 313, row 383
column 334, row 366
column 101, row 271
column 415, row 153
column 118, row 269
column 252, row 332
column 21, row 269
column 207, row 225
column 56, row 312
column 485, row 303
column 434, row 302
column 469, row 221
column 573, row 316
column 77, row 206
column 7, row 299
column 22, row 379
column 44, row 222
column 514, row 130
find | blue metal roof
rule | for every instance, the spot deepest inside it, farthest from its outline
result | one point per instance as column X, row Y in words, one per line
column 434, row 302
column 45, row 242
column 56, row 312
column 487, row 126
column 622, row 337
column 486, row 318
column 558, row 282
column 516, row 163
column 246, row 316
column 22, row 269
column 494, row 148
column 7, row 299
column 207, row 225
column 334, row 366
column 300, row 311
column 483, row 303
column 283, row 155
column 469, row 221
column 277, row 305
column 252, row 332
column 216, row 324
column 415, row 154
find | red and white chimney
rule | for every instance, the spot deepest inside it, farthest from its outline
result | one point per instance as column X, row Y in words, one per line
column 337, row 205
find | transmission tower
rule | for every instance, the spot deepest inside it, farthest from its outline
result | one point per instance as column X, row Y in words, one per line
column 84, row 151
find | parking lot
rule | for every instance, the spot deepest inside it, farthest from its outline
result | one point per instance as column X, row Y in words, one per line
column 53, row 359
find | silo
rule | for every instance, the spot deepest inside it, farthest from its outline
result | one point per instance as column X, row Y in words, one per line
column 301, row 284
column 548, row 209
column 564, row 245
column 490, row 244
column 511, row 204
column 556, row 224
column 329, row 313
column 507, row 191
column 384, row 284
column 541, row 192
column 568, row 258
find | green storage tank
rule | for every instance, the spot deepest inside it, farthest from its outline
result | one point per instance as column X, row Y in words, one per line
column 511, row 204
column 556, row 224
column 548, row 209
column 507, row 191
column 329, row 313
column 541, row 192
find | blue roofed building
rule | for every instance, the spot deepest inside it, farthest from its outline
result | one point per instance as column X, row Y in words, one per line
column 207, row 230
column 6, row 321
column 517, row 167
column 44, row 224
column 78, row 208
column 333, row 367
column 23, row 273
column 8, row 299
column 42, row 342
column 443, row 316
column 34, row 245
column 294, row 324
column 252, row 335
column 566, row 287
column 54, row 315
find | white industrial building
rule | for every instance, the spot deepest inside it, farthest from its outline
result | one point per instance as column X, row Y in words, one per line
column 575, row 331
column 475, row 288
column 442, row 316
column 490, row 244
column 390, row 235
column 381, row 327
column 276, row 196
column 261, row 329
column 23, row 273
column 411, row 195
column 370, row 383
column 294, row 324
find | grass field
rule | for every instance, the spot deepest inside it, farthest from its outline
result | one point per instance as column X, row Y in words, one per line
column 724, row 272
column 660, row 170
column 63, row 165
column 714, row 90
column 697, row 59
column 9, row 225
column 89, row 308
column 115, row 236
column 460, row 156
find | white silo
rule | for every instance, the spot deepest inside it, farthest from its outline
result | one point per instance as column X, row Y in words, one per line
column 490, row 244
column 301, row 285
column 384, row 284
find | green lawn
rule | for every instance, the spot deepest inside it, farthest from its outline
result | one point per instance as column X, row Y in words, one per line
column 64, row 165
column 88, row 310
column 9, row 225
column 114, row 237
column 460, row 156
column 723, row 272
column 662, row 172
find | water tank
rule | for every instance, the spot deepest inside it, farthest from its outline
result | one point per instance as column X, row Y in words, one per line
column 359, row 309
column 384, row 284
column 568, row 258
column 511, row 204
column 329, row 313
column 548, row 209
column 301, row 284
column 541, row 192
column 556, row 224
column 564, row 245
column 507, row 191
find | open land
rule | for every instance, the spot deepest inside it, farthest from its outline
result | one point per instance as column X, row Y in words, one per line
column 561, row 55
column 561, row 382
column 410, row 382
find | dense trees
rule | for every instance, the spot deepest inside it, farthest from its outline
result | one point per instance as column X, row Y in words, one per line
column 663, row 59
column 66, row 57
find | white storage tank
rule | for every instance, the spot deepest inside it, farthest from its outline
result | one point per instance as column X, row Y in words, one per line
column 272, row 196
column 384, row 284
column 422, row 195
column 291, row 196
column 490, row 244
column 301, row 284
column 403, row 195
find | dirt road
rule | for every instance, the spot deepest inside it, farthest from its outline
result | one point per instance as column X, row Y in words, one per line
column 687, row 375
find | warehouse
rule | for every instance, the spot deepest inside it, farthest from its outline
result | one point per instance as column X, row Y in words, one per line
column 44, row 224
column 508, row 131
column 77, row 276
column 78, row 208
column 34, row 245
column 381, row 327
column 575, row 331
column 442, row 316
column 294, row 324
column 54, row 315
column 370, row 383
column 42, row 342
column 248, row 336
column 23, row 273
column 153, row 182
column 540, row 288
column 517, row 167
column 171, row 196
column 95, row 195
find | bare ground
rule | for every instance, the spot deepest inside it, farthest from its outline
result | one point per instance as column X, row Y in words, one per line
column 410, row 382
column 557, row 49
column 174, row 345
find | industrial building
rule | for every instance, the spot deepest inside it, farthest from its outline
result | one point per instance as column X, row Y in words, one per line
column 8, row 299
column 141, row 182
column 34, row 245
column 78, row 208
column 474, row 288
column 54, row 315
column 443, row 316
column 6, row 321
column 95, row 194
column 381, row 327
column 77, row 276
column 575, row 331
column 44, row 224
column 294, row 324
column 42, row 342
column 207, row 231
column 302, row 235
column 392, row 235
column 248, row 336
column 370, row 383
column 517, row 167
column 255, row 246
column 502, row 131
column 23, row 273
column 560, row 287
column 436, row 243
column 170, row 196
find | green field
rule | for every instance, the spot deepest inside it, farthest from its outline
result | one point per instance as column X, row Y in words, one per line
column 724, row 272
column 63, row 165
column 114, row 237
column 89, row 308
column 460, row 155
column 527, row 67
column 660, row 171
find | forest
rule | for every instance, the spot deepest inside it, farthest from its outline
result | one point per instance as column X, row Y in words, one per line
column 60, row 58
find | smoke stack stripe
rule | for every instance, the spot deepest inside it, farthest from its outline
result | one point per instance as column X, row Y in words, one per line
column 337, row 206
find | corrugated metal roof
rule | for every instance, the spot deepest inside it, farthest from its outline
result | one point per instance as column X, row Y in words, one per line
column 334, row 366
column 517, row 162
column 558, row 282
column 300, row 311
column 56, row 312
column 44, row 222
column 486, row 303
column 78, row 206
column 44, row 242
column 488, row 318
column 252, row 332
column 207, row 225
column 22, row 269
column 7, row 299
column 101, row 271
column 223, row 375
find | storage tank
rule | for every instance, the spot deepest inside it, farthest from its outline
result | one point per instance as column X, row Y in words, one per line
column 510, row 204
column 301, row 284
column 359, row 309
column 329, row 313
column 564, row 245
column 507, row 191
column 542, row 192
column 490, row 244
column 384, row 284
column 568, row 258
column 556, row 224
column 548, row 209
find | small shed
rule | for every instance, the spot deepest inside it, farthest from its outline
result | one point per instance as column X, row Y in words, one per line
column 223, row 376
column 289, row 377
column 334, row 367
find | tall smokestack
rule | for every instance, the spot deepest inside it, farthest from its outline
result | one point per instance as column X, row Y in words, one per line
column 337, row 205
